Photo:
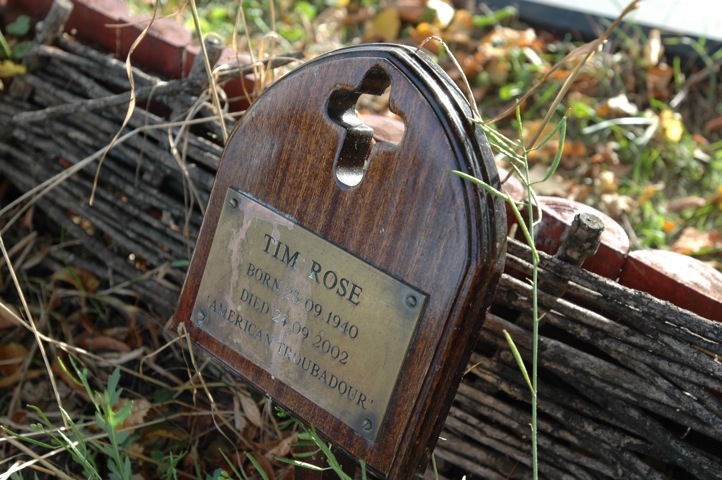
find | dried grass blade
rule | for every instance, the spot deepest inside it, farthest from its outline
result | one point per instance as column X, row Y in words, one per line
column 33, row 327
column 131, row 101
column 209, row 70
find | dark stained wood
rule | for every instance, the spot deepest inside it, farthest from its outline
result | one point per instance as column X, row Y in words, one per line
column 409, row 217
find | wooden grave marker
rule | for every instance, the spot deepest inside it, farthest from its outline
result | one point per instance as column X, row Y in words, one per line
column 348, row 278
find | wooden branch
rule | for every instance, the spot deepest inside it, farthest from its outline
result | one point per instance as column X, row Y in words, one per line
column 623, row 375
column 631, row 307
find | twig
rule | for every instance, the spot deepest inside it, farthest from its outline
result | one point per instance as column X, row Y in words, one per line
column 33, row 327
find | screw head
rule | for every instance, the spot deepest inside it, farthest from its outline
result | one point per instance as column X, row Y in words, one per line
column 201, row 317
column 411, row 301
column 233, row 202
column 367, row 425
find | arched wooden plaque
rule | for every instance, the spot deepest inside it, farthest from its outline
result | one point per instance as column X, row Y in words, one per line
column 348, row 279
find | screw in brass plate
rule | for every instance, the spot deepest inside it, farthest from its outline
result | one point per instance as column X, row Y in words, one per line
column 411, row 301
column 233, row 202
column 201, row 318
column 367, row 425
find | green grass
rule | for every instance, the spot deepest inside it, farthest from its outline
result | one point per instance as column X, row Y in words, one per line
column 650, row 167
column 94, row 454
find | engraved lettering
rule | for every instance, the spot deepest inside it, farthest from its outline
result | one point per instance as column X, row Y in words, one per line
column 286, row 350
column 292, row 307
column 233, row 317
column 263, row 277
column 289, row 259
column 342, row 287
column 315, row 269
column 353, row 297
column 255, row 302
column 282, row 249
column 331, row 280
column 342, row 387
column 268, row 241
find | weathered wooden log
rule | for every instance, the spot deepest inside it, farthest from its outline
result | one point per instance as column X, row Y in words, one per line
column 629, row 383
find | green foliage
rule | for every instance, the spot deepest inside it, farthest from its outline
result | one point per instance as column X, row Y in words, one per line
column 83, row 448
column 20, row 27
column 292, row 19
column 257, row 465
column 518, row 154
column 74, row 442
column 15, row 48
column 312, row 443
column 494, row 18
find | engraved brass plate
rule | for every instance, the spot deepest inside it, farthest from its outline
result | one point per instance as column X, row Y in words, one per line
column 315, row 317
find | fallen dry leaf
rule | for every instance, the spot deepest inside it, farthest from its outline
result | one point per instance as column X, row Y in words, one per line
column 555, row 186
column 658, row 81
column 713, row 124
column 16, row 377
column 9, row 316
column 442, row 11
column 470, row 64
column 140, row 410
column 461, row 26
column 692, row 241
column 605, row 153
column 384, row 27
column 265, row 465
column 80, row 279
column 530, row 128
column 498, row 70
column 410, row 10
column 607, row 182
column 251, row 410
column 615, row 205
column 649, row 192
column 95, row 343
column 686, row 203
column 668, row 226
column 617, row 107
column 653, row 49
column 239, row 420
column 11, row 358
column 672, row 126
column 498, row 42
column 575, row 149
column 423, row 31
column 283, row 448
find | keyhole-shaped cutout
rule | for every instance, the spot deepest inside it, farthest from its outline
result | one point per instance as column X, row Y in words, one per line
column 352, row 157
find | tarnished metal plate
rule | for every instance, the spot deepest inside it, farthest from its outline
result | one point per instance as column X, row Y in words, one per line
column 315, row 317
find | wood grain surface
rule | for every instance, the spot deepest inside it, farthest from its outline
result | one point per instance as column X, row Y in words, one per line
column 409, row 217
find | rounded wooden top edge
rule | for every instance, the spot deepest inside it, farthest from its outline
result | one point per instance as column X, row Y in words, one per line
column 475, row 158
column 477, row 151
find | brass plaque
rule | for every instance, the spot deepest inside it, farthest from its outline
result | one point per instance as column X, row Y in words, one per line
column 315, row 317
